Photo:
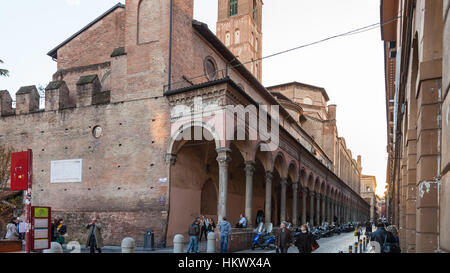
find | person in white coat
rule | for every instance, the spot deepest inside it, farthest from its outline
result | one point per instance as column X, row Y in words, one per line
column 11, row 230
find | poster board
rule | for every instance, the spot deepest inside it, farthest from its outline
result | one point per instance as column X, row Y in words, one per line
column 41, row 228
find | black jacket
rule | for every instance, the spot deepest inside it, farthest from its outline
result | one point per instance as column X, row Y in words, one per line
column 380, row 235
column 304, row 242
column 211, row 227
column 288, row 239
column 62, row 230
column 194, row 230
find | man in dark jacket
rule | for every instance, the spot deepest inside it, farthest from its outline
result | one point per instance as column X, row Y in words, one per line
column 368, row 226
column 284, row 239
column 194, row 232
column 305, row 240
column 381, row 235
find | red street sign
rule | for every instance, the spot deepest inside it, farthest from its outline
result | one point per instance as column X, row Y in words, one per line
column 21, row 170
column 41, row 227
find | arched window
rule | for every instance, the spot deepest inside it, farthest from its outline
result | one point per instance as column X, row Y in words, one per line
column 237, row 36
column 227, row 39
column 233, row 7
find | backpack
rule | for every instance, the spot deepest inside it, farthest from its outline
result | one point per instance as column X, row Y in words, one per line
column 389, row 247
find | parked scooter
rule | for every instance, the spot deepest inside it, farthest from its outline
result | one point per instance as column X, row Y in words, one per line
column 264, row 238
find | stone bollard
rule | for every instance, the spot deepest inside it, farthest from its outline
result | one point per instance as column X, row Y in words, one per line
column 128, row 245
column 55, row 248
column 350, row 249
column 178, row 243
column 211, row 246
column 356, row 247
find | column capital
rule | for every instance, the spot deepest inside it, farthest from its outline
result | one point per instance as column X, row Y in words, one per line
column 224, row 157
column 295, row 186
column 171, row 159
column 312, row 194
column 284, row 181
column 269, row 176
column 304, row 190
column 249, row 167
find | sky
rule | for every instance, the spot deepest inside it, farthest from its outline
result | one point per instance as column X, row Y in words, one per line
column 351, row 68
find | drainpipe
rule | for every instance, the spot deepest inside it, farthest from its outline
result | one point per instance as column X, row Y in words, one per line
column 170, row 47
column 438, row 177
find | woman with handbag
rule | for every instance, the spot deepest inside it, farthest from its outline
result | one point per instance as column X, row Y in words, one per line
column 305, row 241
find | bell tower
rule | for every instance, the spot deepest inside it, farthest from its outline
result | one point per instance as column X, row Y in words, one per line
column 239, row 27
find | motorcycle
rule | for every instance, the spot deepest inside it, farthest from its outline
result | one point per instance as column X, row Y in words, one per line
column 264, row 238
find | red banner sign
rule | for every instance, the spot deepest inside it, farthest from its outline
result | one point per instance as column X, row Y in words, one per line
column 21, row 170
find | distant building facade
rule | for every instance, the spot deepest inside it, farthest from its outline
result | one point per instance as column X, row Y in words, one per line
column 108, row 142
column 417, row 67
column 368, row 188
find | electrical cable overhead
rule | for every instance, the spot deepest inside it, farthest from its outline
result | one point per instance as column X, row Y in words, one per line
column 345, row 34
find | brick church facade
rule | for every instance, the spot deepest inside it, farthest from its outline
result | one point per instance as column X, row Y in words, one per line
column 109, row 118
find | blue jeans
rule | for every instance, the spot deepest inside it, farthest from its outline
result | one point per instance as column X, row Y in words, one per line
column 223, row 243
column 193, row 244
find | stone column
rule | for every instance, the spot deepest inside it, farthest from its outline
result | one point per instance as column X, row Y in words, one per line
column 350, row 211
column 295, row 204
column 339, row 213
column 249, row 171
column 311, row 208
column 332, row 210
column 324, row 217
column 283, row 199
column 328, row 209
column 318, row 197
column 304, row 192
column 224, row 159
column 268, row 209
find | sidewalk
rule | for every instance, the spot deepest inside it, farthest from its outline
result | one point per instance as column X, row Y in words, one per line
column 117, row 249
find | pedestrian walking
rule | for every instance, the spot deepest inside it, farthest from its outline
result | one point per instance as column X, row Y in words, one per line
column 53, row 231
column 203, row 227
column 11, row 230
column 358, row 231
column 305, row 241
column 21, row 234
column 393, row 230
column 61, row 232
column 384, row 238
column 368, row 228
column 194, row 232
column 284, row 239
column 225, row 233
column 94, row 238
